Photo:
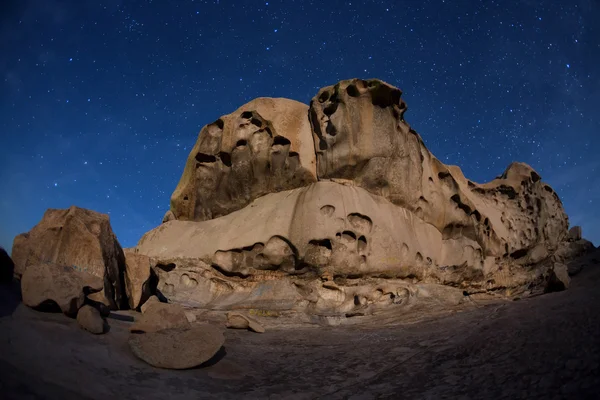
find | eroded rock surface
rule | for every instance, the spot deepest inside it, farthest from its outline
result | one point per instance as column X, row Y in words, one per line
column 178, row 348
column 80, row 239
column 384, row 223
column 237, row 320
column 137, row 276
column 264, row 146
column 43, row 285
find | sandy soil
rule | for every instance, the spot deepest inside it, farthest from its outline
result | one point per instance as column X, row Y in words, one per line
column 541, row 347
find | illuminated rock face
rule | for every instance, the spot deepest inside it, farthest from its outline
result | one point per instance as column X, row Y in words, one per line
column 375, row 219
column 336, row 207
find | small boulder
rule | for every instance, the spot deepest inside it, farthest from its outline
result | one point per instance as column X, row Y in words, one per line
column 169, row 216
column 159, row 316
column 236, row 320
column 151, row 300
column 575, row 234
column 178, row 348
column 7, row 267
column 89, row 318
column 60, row 284
column 137, row 274
column 558, row 278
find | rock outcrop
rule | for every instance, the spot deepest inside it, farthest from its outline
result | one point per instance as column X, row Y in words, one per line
column 178, row 348
column 264, row 146
column 384, row 221
column 237, row 320
column 50, row 284
column 137, row 278
column 80, row 239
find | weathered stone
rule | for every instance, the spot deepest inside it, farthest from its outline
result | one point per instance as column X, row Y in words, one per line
column 151, row 300
column 65, row 286
column 137, row 275
column 264, row 146
column 159, row 316
column 89, row 318
column 169, row 216
column 7, row 267
column 236, row 320
column 178, row 348
column 80, row 238
column 99, row 302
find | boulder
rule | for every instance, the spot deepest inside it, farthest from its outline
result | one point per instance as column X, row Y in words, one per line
column 89, row 318
column 264, row 146
column 558, row 278
column 79, row 238
column 236, row 320
column 575, row 234
column 137, row 275
column 151, row 300
column 178, row 348
column 159, row 316
column 59, row 284
column 7, row 267
column 99, row 302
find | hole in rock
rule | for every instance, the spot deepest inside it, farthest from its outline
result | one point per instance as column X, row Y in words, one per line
column 166, row 267
column 535, row 177
column 256, row 121
column 349, row 234
column 322, row 144
column 293, row 154
column 281, row 141
column 352, row 91
column 330, row 129
column 356, row 300
column 225, row 158
column 219, row 123
column 330, row 109
column 324, row 97
column 241, row 142
column 246, row 114
column 205, row 158
column 322, row 243
column 185, row 198
column 519, row 254
column 443, row 174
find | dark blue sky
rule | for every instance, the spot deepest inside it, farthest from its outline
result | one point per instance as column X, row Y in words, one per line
column 101, row 101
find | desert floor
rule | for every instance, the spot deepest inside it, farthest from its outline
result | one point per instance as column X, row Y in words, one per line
column 542, row 347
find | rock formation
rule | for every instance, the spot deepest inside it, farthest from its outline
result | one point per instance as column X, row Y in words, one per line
column 159, row 316
column 79, row 238
column 384, row 219
column 333, row 208
column 264, row 146
column 236, row 320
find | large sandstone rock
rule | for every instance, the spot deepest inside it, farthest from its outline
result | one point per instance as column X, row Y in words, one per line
column 264, row 146
column 178, row 348
column 89, row 318
column 7, row 267
column 43, row 284
column 79, row 238
column 160, row 316
column 137, row 275
column 384, row 224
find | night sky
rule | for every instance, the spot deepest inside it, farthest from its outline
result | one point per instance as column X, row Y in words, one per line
column 101, row 101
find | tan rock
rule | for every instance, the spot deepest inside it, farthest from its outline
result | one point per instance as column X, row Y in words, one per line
column 7, row 267
column 384, row 212
column 264, row 146
column 65, row 286
column 80, row 238
column 178, row 348
column 89, row 318
column 137, row 275
column 159, row 316
column 151, row 300
column 237, row 320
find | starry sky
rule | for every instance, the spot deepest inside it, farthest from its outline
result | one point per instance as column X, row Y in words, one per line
column 101, row 100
